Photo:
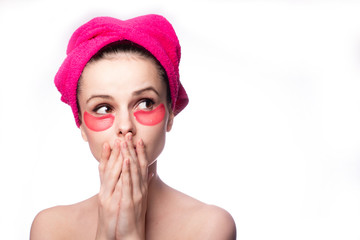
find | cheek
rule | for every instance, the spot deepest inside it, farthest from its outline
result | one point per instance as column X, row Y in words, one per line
column 98, row 124
column 150, row 118
column 96, row 141
column 154, row 145
column 154, row 138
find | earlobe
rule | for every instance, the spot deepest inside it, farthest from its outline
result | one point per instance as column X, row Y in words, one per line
column 83, row 134
column 170, row 121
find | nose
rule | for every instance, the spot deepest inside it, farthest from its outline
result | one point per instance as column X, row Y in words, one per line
column 124, row 123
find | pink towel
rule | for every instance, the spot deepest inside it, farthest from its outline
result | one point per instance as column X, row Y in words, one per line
column 153, row 32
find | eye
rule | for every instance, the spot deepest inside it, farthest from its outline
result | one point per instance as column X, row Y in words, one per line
column 146, row 104
column 102, row 109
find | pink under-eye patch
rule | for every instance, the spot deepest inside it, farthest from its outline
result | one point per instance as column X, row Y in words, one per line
column 150, row 118
column 98, row 124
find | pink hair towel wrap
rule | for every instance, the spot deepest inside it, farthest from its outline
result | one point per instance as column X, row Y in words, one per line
column 153, row 32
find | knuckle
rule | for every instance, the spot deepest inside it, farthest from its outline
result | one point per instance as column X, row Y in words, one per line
column 105, row 205
column 139, row 197
column 101, row 167
column 127, row 182
column 144, row 189
column 143, row 164
column 113, row 174
column 126, row 202
column 102, row 200
column 136, row 170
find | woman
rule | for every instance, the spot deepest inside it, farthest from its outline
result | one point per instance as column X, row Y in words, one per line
column 121, row 80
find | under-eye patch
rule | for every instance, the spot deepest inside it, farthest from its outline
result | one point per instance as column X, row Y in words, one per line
column 98, row 124
column 150, row 118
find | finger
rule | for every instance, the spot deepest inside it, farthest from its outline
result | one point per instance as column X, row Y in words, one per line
column 136, row 178
column 140, row 149
column 113, row 170
column 131, row 149
column 105, row 154
column 137, row 181
column 128, row 138
column 114, row 154
column 134, row 171
column 122, row 196
column 125, row 150
column 126, row 184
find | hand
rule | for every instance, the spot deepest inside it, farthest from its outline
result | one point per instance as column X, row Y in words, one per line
column 134, row 183
column 123, row 192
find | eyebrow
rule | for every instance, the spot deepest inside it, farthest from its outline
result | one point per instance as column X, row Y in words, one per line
column 138, row 92
column 99, row 96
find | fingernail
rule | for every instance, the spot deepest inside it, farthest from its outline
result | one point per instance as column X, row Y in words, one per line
column 129, row 136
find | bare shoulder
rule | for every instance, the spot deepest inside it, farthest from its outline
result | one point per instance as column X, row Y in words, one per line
column 49, row 224
column 203, row 221
column 217, row 223
column 58, row 222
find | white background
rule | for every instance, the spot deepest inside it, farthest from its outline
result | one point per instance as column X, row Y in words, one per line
column 271, row 133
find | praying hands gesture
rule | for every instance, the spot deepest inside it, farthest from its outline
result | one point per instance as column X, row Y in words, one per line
column 123, row 192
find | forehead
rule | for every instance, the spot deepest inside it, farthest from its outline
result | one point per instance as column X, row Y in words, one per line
column 120, row 74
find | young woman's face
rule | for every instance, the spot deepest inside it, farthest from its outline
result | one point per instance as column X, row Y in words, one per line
column 121, row 95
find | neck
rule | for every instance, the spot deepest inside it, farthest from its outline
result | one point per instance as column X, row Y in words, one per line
column 152, row 168
column 155, row 193
column 154, row 185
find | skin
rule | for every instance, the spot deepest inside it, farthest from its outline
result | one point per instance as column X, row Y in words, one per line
column 133, row 202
